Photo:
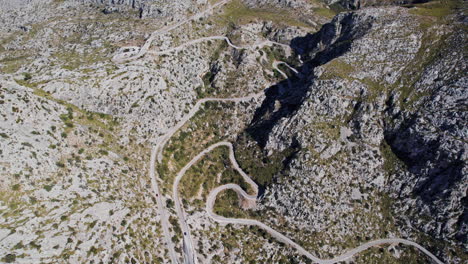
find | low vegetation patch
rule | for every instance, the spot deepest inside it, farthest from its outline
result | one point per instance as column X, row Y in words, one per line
column 252, row 159
column 337, row 68
column 438, row 9
column 236, row 12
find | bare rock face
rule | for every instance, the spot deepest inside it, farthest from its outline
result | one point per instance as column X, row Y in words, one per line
column 344, row 3
column 246, row 203
column 429, row 142
column 379, row 114
column 12, row 4
column 357, row 4
column 280, row 3
column 146, row 8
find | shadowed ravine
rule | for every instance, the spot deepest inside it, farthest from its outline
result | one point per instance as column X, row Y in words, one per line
column 317, row 50
column 189, row 250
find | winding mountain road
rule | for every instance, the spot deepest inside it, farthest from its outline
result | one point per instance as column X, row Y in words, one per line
column 161, row 208
column 157, row 154
column 157, row 150
column 276, row 63
column 253, row 197
column 121, row 58
column 285, row 76
column 188, row 242
column 163, row 140
column 275, row 66
column 189, row 250
column 199, row 40
column 280, row 237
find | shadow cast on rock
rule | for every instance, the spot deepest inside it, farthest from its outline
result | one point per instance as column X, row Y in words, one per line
column 332, row 41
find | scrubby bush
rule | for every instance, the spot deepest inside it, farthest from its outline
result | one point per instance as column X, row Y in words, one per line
column 9, row 258
column 27, row 76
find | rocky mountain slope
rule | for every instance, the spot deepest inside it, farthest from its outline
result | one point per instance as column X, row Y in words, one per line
column 365, row 141
column 357, row 4
column 148, row 8
column 376, row 128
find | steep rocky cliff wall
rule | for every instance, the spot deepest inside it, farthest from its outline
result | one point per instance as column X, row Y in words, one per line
column 377, row 122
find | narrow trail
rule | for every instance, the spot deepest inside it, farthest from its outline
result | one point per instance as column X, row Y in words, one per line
column 121, row 58
column 275, row 66
column 285, row 76
column 228, row 41
column 276, row 63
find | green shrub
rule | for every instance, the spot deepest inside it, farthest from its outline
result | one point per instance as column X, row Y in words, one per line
column 93, row 250
column 27, row 76
column 19, row 245
column 169, row 204
column 9, row 258
column 26, row 144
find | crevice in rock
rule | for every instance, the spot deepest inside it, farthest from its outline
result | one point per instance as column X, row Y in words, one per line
column 331, row 42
